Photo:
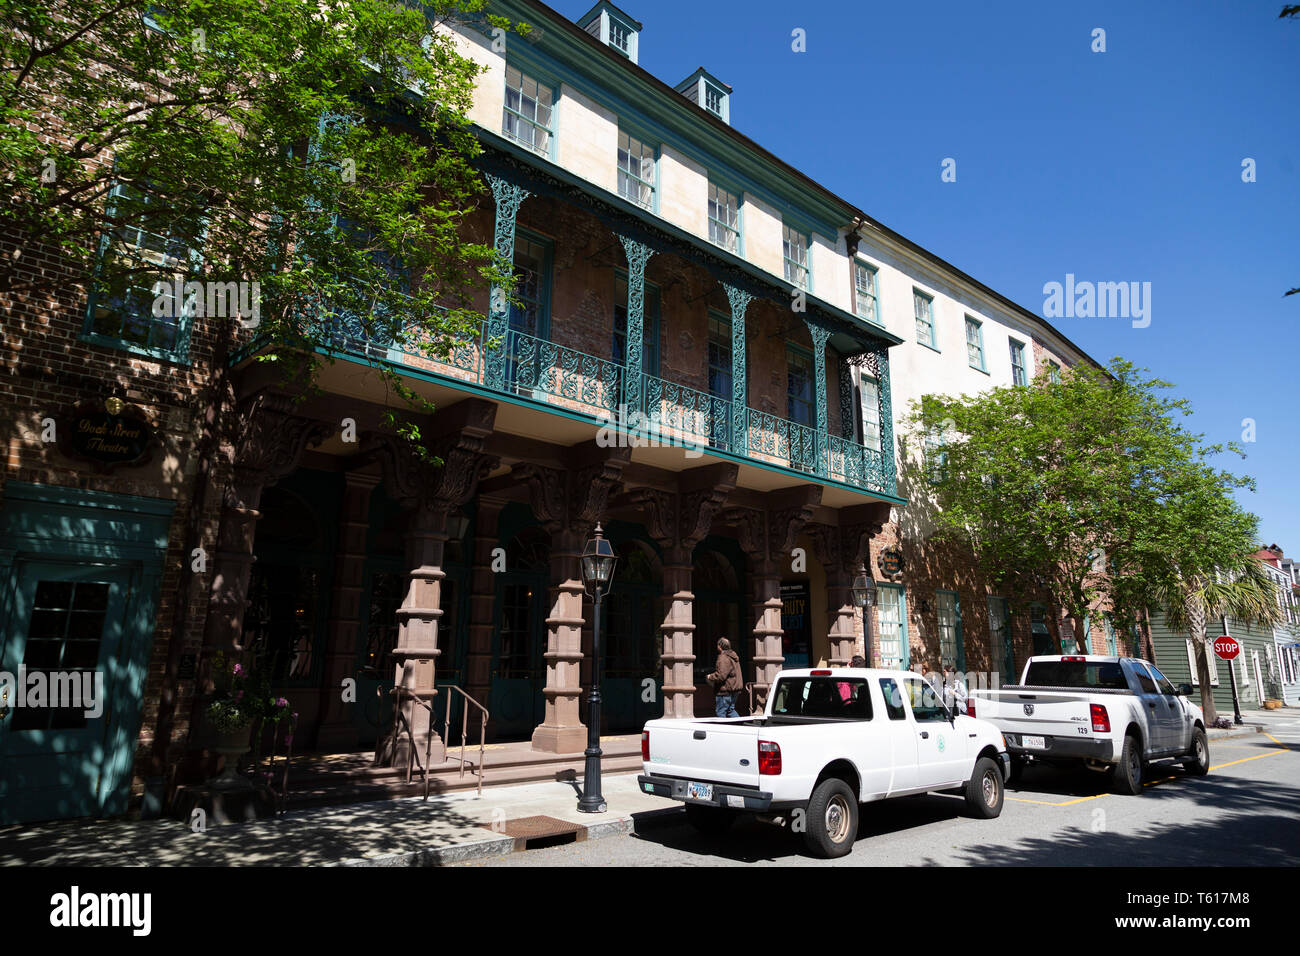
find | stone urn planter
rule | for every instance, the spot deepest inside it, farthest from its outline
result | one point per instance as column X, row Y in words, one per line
column 231, row 745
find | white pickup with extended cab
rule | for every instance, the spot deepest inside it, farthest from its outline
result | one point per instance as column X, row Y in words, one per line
column 1112, row 714
column 827, row 741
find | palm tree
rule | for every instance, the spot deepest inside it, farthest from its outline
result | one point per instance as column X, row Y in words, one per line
column 1244, row 591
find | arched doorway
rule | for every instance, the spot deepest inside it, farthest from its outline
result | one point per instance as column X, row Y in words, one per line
column 515, row 701
column 717, row 580
column 632, row 677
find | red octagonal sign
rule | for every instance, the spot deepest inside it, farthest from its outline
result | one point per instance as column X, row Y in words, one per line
column 1226, row 648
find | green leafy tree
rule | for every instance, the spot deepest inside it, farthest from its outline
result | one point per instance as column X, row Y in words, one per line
column 317, row 147
column 1087, row 490
column 1191, row 598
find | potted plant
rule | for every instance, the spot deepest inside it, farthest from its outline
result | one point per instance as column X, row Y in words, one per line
column 230, row 713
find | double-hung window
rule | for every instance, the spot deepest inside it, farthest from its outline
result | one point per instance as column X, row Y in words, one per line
column 636, row 170
column 142, row 264
column 865, row 298
column 528, row 112
column 1018, row 376
column 724, row 218
column 974, row 344
column 721, row 379
column 870, row 413
column 801, row 408
column 936, row 455
column 923, row 306
column 1054, row 373
column 649, row 324
column 948, row 610
column 794, row 250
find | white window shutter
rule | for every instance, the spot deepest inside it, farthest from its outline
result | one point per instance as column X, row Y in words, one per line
column 1191, row 663
column 1245, row 671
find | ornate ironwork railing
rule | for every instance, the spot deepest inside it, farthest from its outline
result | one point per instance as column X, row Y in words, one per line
column 658, row 412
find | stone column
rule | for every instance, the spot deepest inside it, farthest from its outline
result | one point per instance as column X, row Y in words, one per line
column 431, row 492
column 337, row 730
column 482, row 601
column 638, row 254
column 739, row 300
column 843, row 616
column 678, row 635
column 416, row 654
column 768, row 652
column 561, row 729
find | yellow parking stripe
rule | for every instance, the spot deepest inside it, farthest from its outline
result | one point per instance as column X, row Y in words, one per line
column 1048, row 803
column 1271, row 753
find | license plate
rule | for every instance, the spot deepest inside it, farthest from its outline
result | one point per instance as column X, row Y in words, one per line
column 699, row 791
column 1033, row 743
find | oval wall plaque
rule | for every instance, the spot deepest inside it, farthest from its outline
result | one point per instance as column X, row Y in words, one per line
column 108, row 434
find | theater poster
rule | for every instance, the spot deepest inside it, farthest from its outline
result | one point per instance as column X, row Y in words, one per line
column 796, row 622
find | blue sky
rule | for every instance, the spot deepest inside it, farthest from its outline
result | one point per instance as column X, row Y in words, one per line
column 1115, row 166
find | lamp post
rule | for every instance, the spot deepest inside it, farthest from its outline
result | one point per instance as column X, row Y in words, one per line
column 598, row 560
column 864, row 596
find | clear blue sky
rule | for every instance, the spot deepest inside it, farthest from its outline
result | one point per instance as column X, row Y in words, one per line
column 1115, row 166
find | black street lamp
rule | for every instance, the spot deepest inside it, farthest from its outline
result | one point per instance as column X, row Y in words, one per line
column 598, row 560
column 864, row 596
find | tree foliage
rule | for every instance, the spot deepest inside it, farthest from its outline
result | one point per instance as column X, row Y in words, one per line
column 317, row 147
column 1089, row 490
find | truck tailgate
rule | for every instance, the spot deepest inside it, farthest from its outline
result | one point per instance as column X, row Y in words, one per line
column 722, row 751
column 1038, row 713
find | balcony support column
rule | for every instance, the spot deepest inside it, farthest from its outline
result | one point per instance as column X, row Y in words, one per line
column 739, row 437
column 877, row 363
column 638, row 254
column 509, row 197
column 820, row 334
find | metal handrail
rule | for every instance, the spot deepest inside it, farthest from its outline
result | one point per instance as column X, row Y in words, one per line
column 464, row 721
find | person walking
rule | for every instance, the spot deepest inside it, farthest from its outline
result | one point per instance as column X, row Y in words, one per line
column 726, row 679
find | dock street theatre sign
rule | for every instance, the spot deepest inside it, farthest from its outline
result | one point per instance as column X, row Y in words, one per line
column 108, row 434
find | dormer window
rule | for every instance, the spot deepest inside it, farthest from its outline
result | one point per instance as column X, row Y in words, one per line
column 708, row 92
column 612, row 27
column 713, row 99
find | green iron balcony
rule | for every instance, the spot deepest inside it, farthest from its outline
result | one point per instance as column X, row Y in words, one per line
column 537, row 370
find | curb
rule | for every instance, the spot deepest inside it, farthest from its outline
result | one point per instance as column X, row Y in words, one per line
column 502, row 845
column 1228, row 733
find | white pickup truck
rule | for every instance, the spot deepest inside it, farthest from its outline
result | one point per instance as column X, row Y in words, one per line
column 827, row 741
column 1112, row 714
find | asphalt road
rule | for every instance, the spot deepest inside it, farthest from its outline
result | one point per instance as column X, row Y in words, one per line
column 1246, row 812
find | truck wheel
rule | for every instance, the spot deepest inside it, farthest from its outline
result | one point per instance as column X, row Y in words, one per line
column 832, row 823
column 984, row 790
column 711, row 820
column 1198, row 762
column 1127, row 776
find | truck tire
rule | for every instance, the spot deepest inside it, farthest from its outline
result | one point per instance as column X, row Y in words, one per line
column 984, row 791
column 1198, row 758
column 1126, row 778
column 713, row 821
column 832, row 823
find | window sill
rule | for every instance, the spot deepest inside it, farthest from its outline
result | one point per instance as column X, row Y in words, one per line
column 932, row 348
column 979, row 368
column 172, row 356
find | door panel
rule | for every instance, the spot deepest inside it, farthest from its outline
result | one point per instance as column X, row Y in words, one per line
column 69, row 620
column 518, row 675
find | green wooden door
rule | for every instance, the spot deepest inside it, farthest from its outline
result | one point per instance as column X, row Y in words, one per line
column 516, row 702
column 66, row 761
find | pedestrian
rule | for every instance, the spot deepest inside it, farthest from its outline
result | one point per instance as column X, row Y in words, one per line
column 954, row 689
column 726, row 679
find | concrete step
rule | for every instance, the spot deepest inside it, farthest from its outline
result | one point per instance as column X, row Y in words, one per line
column 322, row 791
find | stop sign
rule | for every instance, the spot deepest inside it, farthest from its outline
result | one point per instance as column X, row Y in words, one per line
column 1226, row 647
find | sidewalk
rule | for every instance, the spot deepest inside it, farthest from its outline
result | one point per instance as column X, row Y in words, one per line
column 407, row 832
column 1253, row 722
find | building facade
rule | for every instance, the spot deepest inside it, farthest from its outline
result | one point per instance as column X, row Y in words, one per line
column 704, row 355
column 1268, row 667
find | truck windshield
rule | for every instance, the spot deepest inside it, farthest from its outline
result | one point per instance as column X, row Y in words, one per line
column 1105, row 675
column 845, row 698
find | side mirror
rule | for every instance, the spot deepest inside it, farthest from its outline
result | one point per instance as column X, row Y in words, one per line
column 1184, row 690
